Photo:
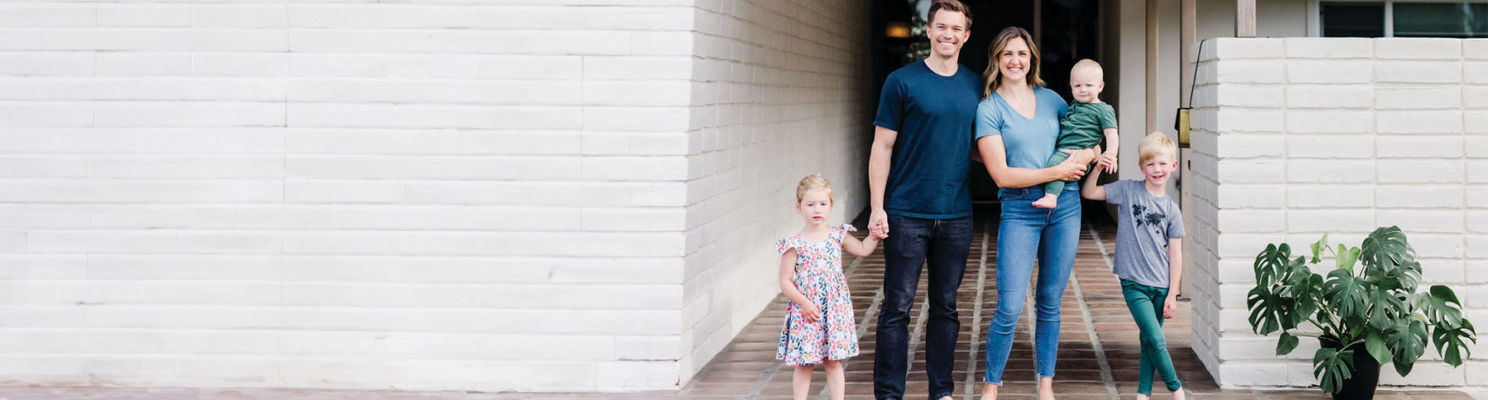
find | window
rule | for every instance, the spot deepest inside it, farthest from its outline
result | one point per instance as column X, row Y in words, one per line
column 1414, row 18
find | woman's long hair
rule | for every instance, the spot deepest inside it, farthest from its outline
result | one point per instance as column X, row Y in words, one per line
column 992, row 77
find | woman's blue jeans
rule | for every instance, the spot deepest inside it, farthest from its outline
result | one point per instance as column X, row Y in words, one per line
column 1028, row 233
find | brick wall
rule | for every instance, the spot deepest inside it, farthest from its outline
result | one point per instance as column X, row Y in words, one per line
column 462, row 195
column 780, row 90
column 1297, row 137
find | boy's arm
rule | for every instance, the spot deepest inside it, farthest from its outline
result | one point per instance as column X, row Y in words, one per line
column 1108, row 159
column 1092, row 190
column 1175, row 275
column 860, row 248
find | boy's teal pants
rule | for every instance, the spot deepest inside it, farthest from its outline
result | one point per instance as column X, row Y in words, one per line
column 1146, row 305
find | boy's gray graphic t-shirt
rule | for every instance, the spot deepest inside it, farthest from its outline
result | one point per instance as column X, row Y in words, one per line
column 1144, row 223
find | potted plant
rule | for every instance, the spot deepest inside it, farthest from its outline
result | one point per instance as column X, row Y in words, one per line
column 1367, row 310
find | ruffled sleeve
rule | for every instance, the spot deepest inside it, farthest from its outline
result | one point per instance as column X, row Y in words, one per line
column 785, row 245
column 842, row 231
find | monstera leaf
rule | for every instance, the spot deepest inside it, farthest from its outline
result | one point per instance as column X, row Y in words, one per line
column 1384, row 249
column 1407, row 342
column 1455, row 339
column 1347, row 294
column 1264, row 309
column 1331, row 367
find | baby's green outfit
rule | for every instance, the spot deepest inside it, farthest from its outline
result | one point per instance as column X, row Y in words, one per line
column 1081, row 128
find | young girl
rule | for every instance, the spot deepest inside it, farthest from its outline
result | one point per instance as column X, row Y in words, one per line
column 819, row 325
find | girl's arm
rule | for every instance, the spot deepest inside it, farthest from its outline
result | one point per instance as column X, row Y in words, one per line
column 1091, row 189
column 994, row 156
column 1175, row 276
column 860, row 248
column 788, row 286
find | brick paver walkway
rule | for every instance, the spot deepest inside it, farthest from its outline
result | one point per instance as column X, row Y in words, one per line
column 1097, row 357
column 1098, row 350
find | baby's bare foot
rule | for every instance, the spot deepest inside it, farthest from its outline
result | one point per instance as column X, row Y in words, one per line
column 1048, row 201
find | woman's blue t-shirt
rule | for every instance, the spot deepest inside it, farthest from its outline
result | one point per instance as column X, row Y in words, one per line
column 1028, row 142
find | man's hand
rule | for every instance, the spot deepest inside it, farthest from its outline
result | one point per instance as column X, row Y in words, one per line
column 878, row 224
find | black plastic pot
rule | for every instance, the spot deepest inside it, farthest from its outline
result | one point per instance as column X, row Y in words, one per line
column 1364, row 377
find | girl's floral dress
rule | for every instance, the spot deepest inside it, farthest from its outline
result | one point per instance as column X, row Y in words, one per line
column 819, row 277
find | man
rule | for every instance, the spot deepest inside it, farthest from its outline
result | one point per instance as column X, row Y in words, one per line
column 917, row 180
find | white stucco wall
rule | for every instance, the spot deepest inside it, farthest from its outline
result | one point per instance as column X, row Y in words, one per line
column 1301, row 136
column 567, row 195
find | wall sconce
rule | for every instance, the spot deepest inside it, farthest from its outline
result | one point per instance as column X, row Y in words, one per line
column 897, row 30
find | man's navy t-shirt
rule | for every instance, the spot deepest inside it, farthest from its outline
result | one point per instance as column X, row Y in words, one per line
column 936, row 120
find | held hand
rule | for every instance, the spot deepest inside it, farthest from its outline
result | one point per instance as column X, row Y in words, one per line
column 1108, row 161
column 1170, row 306
column 810, row 312
column 878, row 224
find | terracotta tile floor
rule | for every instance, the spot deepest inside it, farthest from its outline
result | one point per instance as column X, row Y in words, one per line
column 1098, row 349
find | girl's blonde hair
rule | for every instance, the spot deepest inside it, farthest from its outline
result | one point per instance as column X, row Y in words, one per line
column 1156, row 144
column 813, row 182
column 992, row 77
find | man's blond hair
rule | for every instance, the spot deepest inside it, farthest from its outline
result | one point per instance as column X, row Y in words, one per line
column 1156, row 144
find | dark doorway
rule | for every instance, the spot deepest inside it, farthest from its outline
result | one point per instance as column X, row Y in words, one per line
column 1067, row 31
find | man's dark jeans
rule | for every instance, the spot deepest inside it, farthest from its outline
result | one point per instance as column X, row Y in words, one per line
column 944, row 243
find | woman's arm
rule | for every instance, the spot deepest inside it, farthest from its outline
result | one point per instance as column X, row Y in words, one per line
column 994, row 156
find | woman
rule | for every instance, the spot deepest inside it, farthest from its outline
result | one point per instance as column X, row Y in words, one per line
column 1017, row 125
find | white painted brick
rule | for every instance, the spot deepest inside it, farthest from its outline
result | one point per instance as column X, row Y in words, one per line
column 124, row 89
column 1476, row 195
column 1330, row 220
column 1474, row 97
column 52, row 64
column 1434, row 221
column 1330, row 171
column 433, row 168
column 1328, row 96
column 1243, row 48
column 1329, row 71
column 595, row 194
column 331, row 191
column 1432, row 245
column 1434, row 196
column 635, row 375
column 1417, row 72
column 240, row 16
column 307, row 115
column 30, row 114
column 144, row 15
column 1420, row 171
column 1475, row 122
column 188, row 114
column 1261, row 71
column 597, row 43
column 1243, row 120
column 1250, row 145
column 637, row 93
column 1425, row 374
column 1475, row 72
column 47, row 15
column 1329, row 48
column 228, row 64
column 633, row 143
column 1476, row 246
column 1330, row 196
column 1251, row 196
column 1417, row 98
column 1251, row 171
column 1477, row 171
column 143, row 64
column 1414, row 146
column 437, row 92
column 370, row 142
column 1438, row 122
column 1475, row 49
column 1329, row 121
column 1329, row 146
column 1418, row 48
column 1251, row 374
column 637, row 68
column 1258, row 221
